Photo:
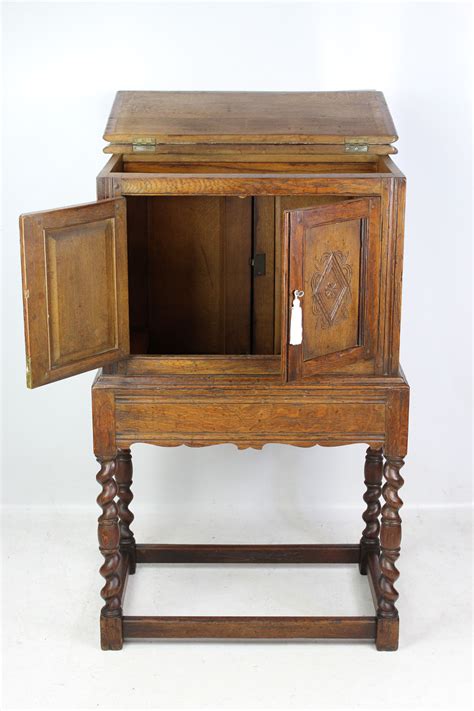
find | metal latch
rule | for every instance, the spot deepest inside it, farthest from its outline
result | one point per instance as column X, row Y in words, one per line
column 144, row 145
column 259, row 264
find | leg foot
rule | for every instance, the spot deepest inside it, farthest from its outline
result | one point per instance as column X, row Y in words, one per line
column 370, row 542
column 387, row 634
column 111, row 635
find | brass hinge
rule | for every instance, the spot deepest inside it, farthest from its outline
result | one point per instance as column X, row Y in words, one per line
column 28, row 372
column 356, row 147
column 144, row 145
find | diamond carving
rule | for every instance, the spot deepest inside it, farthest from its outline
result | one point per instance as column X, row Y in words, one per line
column 330, row 286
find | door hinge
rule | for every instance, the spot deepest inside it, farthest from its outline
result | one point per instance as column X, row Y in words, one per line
column 258, row 263
column 28, row 372
column 144, row 145
column 355, row 145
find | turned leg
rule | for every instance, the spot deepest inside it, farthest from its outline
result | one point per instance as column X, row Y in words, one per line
column 109, row 541
column 370, row 543
column 390, row 539
column 123, row 477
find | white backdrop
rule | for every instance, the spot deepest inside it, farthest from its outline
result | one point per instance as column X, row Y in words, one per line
column 64, row 63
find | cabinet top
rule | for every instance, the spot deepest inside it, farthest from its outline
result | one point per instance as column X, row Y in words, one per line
column 328, row 118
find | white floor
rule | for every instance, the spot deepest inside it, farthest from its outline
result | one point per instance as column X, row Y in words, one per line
column 51, row 654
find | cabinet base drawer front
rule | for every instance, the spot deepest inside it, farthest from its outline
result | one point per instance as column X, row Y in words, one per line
column 204, row 421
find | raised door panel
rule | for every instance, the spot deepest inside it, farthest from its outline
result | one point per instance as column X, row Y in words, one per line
column 75, row 289
column 282, row 205
column 334, row 258
column 268, row 234
column 331, row 284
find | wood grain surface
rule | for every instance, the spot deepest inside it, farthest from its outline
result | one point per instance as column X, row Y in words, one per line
column 75, row 289
column 251, row 117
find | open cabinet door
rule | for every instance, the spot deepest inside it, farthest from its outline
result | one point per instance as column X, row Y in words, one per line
column 75, row 289
column 334, row 258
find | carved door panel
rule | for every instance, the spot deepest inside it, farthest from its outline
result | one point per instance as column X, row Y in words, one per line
column 75, row 289
column 334, row 258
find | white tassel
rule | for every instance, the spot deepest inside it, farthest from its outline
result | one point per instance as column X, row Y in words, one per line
column 296, row 322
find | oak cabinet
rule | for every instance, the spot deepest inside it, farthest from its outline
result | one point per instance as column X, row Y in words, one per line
column 210, row 275
column 237, row 280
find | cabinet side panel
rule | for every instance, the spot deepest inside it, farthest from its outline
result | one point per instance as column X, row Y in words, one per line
column 393, row 206
column 396, row 303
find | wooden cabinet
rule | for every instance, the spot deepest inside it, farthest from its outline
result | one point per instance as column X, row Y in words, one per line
column 237, row 280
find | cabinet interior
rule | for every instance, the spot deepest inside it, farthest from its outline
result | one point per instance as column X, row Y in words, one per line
column 205, row 273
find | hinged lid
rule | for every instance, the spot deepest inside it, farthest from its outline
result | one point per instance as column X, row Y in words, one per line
column 337, row 121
